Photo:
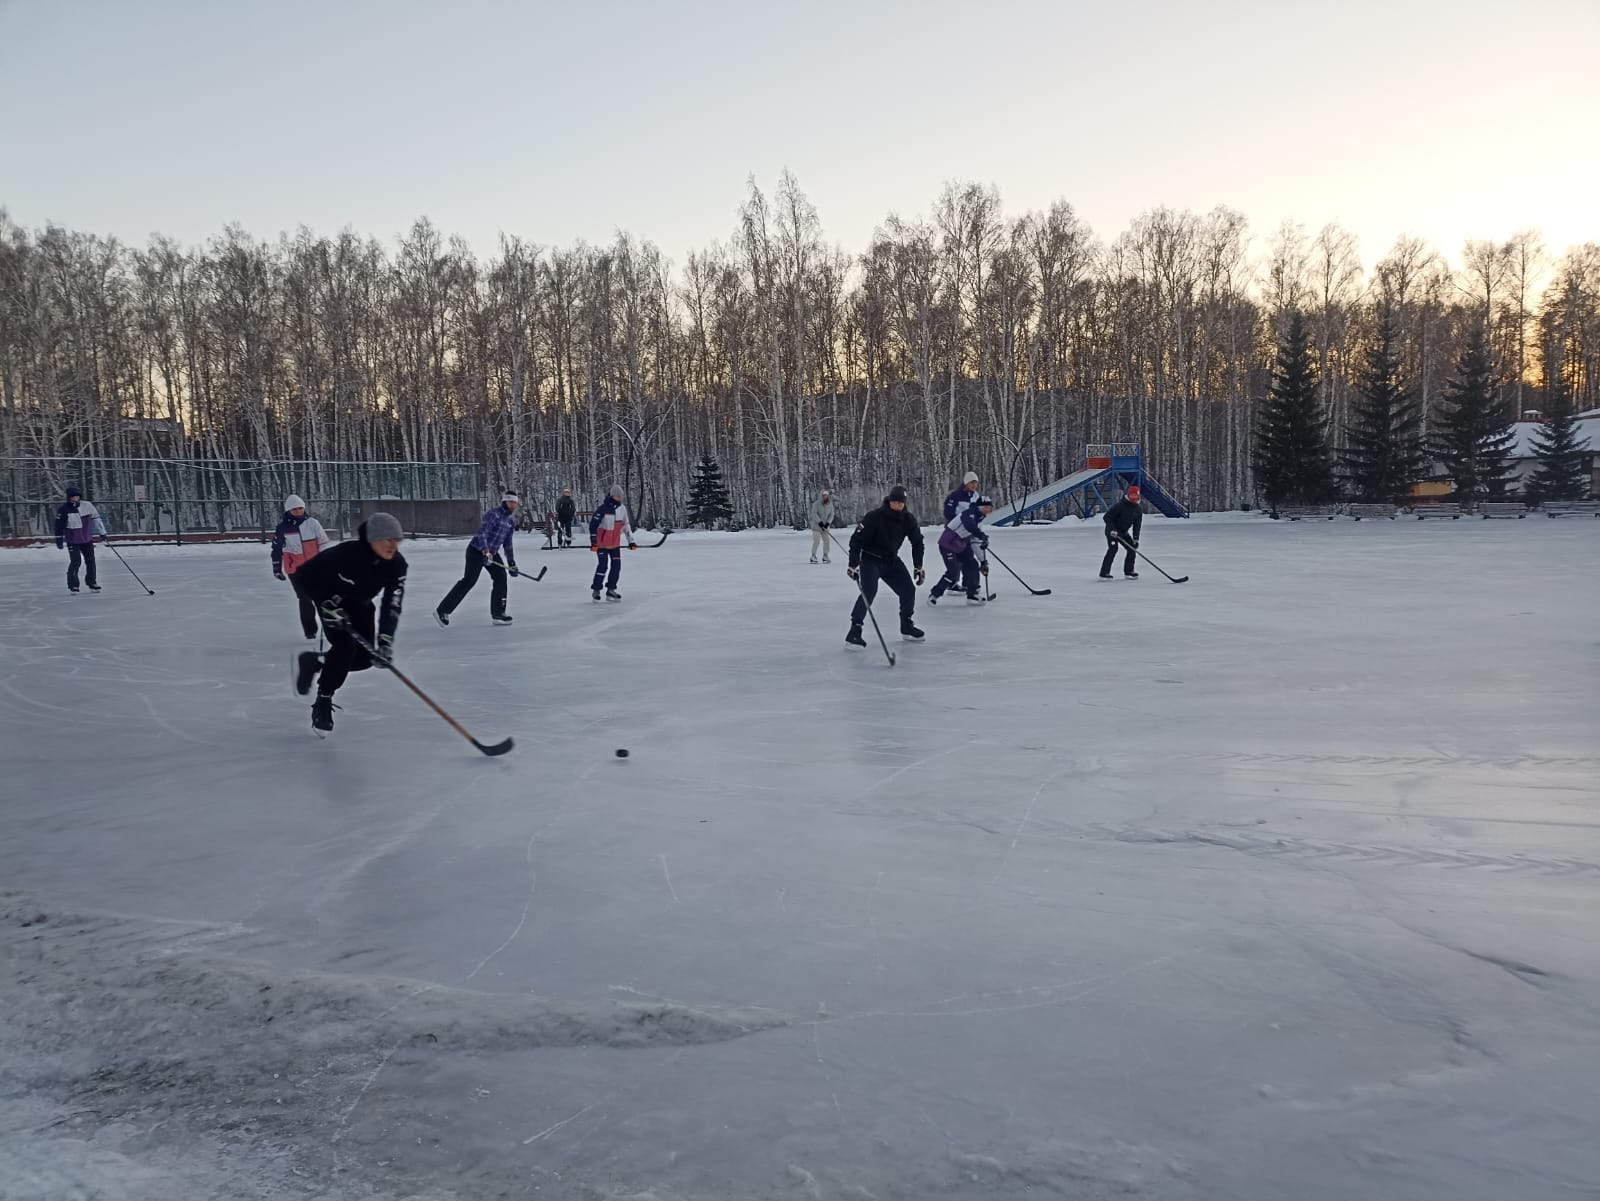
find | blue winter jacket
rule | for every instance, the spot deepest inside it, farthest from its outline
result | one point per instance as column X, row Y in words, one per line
column 956, row 501
column 499, row 523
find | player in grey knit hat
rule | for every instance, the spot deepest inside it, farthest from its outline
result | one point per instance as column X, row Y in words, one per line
column 342, row 582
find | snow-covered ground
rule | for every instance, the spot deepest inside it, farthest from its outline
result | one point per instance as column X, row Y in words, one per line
column 1281, row 883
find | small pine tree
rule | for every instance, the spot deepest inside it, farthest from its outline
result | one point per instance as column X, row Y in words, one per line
column 708, row 495
column 1474, row 439
column 1292, row 459
column 1561, row 458
column 1383, row 456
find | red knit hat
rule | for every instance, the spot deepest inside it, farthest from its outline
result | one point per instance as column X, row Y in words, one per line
column 1133, row 491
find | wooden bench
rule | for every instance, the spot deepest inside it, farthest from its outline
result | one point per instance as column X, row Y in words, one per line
column 1297, row 512
column 1571, row 508
column 1359, row 511
column 1502, row 508
column 1448, row 509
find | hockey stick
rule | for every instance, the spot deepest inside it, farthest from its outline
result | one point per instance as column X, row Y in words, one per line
column 664, row 535
column 888, row 654
column 1182, row 579
column 498, row 748
column 521, row 575
column 1015, row 576
column 151, row 591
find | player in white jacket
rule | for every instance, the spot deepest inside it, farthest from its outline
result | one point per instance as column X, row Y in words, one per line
column 820, row 518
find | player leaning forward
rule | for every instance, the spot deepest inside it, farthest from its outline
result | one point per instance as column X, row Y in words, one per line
column 875, row 555
column 1123, row 520
column 607, row 527
column 494, row 534
column 960, row 544
column 342, row 582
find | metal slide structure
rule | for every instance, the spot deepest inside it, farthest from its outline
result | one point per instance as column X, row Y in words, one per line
column 1110, row 468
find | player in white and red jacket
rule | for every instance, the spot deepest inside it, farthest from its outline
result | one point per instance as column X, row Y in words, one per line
column 607, row 528
column 297, row 538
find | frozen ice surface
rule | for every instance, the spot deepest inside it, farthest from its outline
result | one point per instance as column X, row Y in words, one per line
column 1282, row 883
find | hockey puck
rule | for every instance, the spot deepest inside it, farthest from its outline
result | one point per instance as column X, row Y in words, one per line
column 622, row 752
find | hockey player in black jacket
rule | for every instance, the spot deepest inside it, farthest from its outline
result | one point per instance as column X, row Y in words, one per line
column 875, row 555
column 1122, row 532
column 342, row 583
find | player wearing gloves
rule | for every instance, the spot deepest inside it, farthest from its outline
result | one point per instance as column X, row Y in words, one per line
column 342, row 583
column 820, row 518
column 499, row 523
column 607, row 527
column 1122, row 533
column 960, row 544
column 78, row 523
column 297, row 538
column 875, row 555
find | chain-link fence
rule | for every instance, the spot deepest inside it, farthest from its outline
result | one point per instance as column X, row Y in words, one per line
column 202, row 500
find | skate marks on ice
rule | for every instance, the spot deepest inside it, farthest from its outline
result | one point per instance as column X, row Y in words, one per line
column 114, row 1024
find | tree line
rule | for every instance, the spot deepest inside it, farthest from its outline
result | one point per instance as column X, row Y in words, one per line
column 960, row 338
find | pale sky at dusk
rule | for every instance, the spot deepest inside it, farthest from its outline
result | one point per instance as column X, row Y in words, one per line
column 1448, row 119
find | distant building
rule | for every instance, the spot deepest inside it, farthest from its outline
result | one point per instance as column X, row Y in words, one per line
column 1522, row 449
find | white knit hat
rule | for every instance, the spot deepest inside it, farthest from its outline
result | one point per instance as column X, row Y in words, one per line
column 292, row 502
column 970, row 478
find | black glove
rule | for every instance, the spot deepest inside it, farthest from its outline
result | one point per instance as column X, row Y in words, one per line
column 386, row 646
column 919, row 575
column 333, row 616
column 1133, row 542
column 984, row 567
column 277, row 574
column 512, row 568
column 60, row 544
column 853, row 572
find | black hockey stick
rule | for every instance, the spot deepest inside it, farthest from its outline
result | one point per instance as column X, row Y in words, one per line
column 149, row 590
column 664, row 535
column 382, row 660
column 521, row 575
column 887, row 653
column 1015, row 576
column 1182, row 579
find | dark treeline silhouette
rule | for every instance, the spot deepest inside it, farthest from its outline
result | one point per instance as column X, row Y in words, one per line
column 958, row 339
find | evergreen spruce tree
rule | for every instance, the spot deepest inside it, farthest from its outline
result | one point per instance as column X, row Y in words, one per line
column 1383, row 455
column 708, row 495
column 1561, row 458
column 1473, row 439
column 1292, row 459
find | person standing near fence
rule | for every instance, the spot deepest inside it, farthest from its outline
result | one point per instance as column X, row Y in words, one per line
column 297, row 538
column 77, row 523
column 566, row 514
column 607, row 526
column 499, row 523
column 820, row 515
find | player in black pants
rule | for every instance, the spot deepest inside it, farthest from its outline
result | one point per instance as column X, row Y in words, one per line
column 1122, row 533
column 342, row 583
column 566, row 514
column 875, row 555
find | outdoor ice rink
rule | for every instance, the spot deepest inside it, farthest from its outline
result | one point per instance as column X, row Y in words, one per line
column 1280, row 884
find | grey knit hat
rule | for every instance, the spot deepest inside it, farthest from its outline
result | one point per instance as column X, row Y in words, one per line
column 384, row 526
column 616, row 491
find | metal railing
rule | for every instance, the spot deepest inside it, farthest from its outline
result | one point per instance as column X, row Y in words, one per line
column 171, row 499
